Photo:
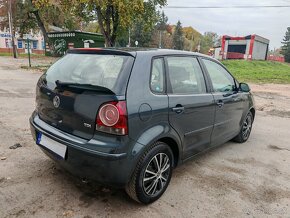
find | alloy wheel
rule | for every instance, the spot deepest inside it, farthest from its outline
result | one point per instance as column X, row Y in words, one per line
column 247, row 126
column 156, row 174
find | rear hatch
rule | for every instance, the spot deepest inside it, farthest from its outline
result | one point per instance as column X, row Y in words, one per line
column 70, row 93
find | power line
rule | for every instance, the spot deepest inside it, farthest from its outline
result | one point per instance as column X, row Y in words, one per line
column 232, row 6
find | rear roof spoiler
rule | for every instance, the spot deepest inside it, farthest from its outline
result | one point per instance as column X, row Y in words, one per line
column 104, row 51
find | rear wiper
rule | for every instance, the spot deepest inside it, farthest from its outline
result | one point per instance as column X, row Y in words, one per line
column 60, row 84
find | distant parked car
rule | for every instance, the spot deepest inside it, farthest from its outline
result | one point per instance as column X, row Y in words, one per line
column 127, row 117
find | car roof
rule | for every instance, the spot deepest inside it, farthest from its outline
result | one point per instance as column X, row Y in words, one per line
column 133, row 51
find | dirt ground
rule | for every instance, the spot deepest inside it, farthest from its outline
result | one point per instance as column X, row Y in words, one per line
column 234, row 180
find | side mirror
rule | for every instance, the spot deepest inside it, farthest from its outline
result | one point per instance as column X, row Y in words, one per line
column 244, row 87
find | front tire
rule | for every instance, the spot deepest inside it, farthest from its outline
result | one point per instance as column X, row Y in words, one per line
column 152, row 174
column 246, row 129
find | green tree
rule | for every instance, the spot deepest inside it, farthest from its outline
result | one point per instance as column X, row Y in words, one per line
column 40, row 14
column 178, row 40
column 3, row 14
column 140, row 34
column 162, row 22
column 143, row 26
column 209, row 40
column 34, row 7
column 161, row 36
column 113, row 15
column 92, row 27
column 286, row 45
column 192, row 38
column 61, row 13
column 24, row 21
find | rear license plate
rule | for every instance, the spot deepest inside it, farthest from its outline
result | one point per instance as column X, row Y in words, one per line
column 51, row 145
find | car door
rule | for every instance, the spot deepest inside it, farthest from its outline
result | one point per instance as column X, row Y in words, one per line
column 191, row 106
column 228, row 100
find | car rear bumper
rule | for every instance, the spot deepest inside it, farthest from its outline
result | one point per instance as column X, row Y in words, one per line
column 87, row 159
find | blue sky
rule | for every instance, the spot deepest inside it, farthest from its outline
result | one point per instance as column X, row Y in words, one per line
column 270, row 23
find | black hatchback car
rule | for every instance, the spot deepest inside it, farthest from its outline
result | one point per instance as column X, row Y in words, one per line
column 127, row 117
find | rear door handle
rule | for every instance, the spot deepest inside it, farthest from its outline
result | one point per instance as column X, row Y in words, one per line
column 178, row 109
column 220, row 103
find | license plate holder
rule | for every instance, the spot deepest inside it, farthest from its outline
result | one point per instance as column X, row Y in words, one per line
column 52, row 146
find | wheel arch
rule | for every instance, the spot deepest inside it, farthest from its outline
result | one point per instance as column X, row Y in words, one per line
column 253, row 111
column 162, row 133
column 174, row 148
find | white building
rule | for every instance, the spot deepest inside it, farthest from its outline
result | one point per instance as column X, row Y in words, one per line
column 251, row 47
column 36, row 42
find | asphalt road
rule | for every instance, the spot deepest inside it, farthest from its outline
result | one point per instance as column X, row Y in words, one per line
column 234, row 180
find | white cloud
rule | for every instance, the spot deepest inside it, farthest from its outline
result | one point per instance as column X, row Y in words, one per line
column 270, row 23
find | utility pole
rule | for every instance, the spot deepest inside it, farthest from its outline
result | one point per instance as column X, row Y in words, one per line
column 129, row 40
column 191, row 44
column 11, row 28
column 198, row 47
column 28, row 51
column 160, row 39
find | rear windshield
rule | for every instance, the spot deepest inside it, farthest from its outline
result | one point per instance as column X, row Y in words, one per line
column 109, row 71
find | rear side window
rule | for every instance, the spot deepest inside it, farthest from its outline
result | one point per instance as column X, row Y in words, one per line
column 185, row 75
column 222, row 81
column 157, row 80
column 109, row 71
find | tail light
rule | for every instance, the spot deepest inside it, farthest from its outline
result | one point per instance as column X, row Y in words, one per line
column 112, row 118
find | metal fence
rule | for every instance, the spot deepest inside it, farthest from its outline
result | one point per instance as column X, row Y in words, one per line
column 276, row 58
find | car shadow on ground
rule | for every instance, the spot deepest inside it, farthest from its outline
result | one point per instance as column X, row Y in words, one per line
column 90, row 192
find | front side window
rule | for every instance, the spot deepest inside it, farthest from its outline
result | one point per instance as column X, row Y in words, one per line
column 185, row 75
column 157, row 76
column 222, row 81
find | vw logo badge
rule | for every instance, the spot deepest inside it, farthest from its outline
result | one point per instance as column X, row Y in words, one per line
column 56, row 101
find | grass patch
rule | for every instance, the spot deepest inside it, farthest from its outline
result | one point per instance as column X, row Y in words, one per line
column 41, row 68
column 23, row 55
column 6, row 54
column 259, row 71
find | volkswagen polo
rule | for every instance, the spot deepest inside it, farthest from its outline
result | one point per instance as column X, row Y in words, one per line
column 127, row 117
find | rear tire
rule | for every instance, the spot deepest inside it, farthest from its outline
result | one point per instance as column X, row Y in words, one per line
column 152, row 174
column 246, row 129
